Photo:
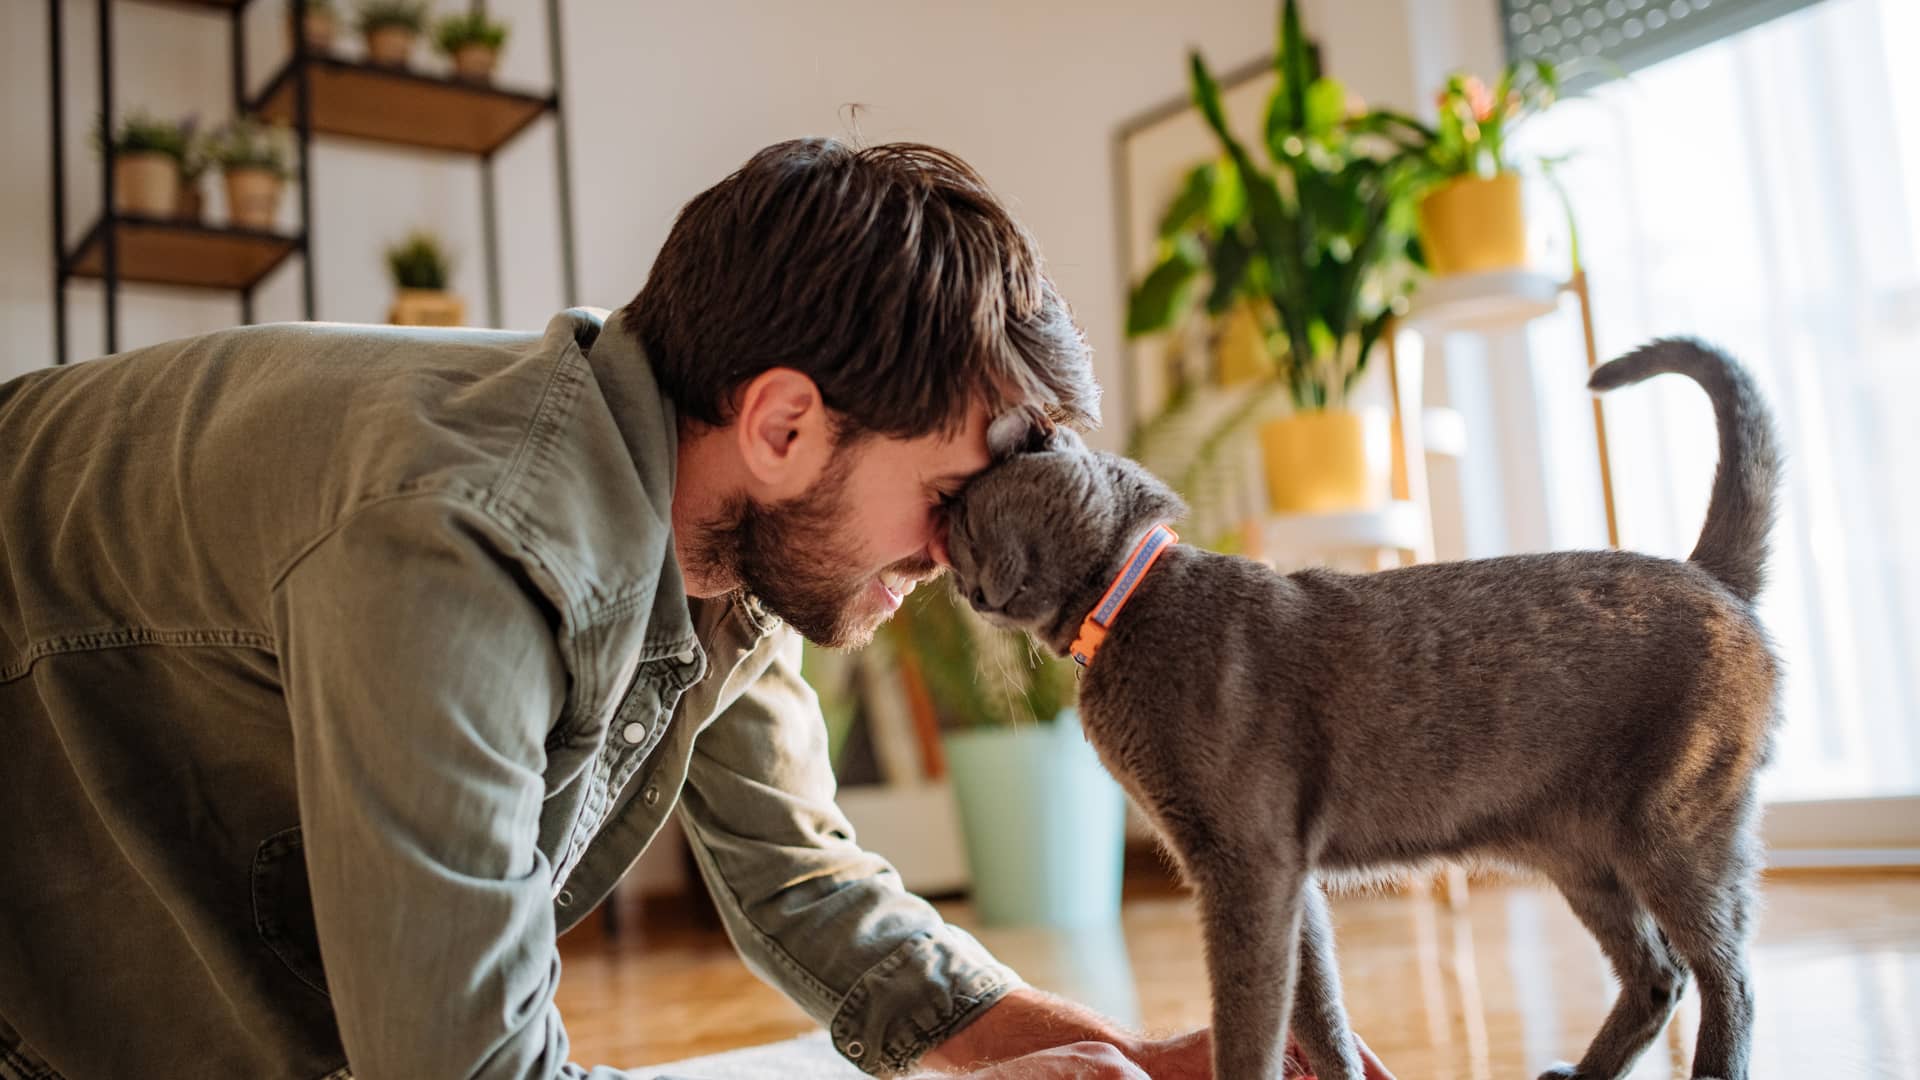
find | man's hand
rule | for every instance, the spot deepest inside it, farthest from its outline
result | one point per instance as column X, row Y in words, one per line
column 1297, row 1065
column 1029, row 1033
column 1076, row 1061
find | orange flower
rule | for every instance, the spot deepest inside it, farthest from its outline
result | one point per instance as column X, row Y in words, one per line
column 1479, row 98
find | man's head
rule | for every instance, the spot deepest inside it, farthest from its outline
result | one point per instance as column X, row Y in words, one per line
column 835, row 327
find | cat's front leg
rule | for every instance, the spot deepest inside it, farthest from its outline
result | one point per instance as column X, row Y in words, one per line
column 1250, row 916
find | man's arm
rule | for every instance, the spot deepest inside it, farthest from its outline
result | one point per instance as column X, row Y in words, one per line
column 422, row 677
column 825, row 921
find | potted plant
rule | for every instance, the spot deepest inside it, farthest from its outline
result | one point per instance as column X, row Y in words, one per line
column 147, row 154
column 1308, row 253
column 473, row 42
column 391, row 27
column 319, row 23
column 253, row 160
column 420, row 267
column 1471, row 214
column 1043, row 824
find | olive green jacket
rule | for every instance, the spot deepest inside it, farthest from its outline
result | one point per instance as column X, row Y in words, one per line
column 342, row 668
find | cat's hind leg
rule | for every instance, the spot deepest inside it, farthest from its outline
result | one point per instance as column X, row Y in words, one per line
column 1651, row 977
column 1703, row 898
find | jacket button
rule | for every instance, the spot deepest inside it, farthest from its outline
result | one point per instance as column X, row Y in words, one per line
column 856, row 1048
column 565, row 898
column 685, row 655
column 634, row 732
column 651, row 795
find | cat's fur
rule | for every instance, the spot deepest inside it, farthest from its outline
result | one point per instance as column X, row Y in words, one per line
column 1596, row 716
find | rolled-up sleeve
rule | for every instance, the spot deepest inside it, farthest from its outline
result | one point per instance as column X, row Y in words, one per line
column 814, row 914
column 422, row 675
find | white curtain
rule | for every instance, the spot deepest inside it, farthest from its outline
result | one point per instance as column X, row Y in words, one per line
column 1763, row 193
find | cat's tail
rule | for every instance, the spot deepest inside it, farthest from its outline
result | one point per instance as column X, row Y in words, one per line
column 1733, row 545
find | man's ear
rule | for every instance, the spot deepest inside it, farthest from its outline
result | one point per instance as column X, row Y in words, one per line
column 784, row 432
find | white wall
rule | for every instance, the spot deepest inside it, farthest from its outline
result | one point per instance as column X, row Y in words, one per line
column 664, row 100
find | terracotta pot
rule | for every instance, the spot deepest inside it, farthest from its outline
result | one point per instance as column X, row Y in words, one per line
column 1474, row 223
column 390, row 46
column 319, row 26
column 426, row 307
column 253, row 198
column 191, row 203
column 1319, row 462
column 475, row 63
column 146, row 183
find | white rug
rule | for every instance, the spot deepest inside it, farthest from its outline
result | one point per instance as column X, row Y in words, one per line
column 809, row 1057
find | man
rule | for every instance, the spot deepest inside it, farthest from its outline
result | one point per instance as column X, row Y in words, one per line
column 342, row 668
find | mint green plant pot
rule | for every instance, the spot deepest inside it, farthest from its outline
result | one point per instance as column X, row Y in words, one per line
column 1045, row 826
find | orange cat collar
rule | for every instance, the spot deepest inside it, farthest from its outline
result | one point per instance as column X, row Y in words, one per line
column 1093, row 629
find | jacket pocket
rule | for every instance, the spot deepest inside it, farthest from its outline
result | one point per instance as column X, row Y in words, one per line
column 283, row 907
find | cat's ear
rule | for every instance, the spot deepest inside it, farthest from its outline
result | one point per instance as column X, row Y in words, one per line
column 1028, row 430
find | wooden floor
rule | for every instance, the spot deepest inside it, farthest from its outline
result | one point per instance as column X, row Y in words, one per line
column 1501, row 989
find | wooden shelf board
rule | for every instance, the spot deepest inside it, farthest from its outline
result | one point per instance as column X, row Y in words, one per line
column 402, row 107
column 180, row 253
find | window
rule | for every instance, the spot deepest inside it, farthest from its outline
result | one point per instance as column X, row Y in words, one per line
column 1763, row 192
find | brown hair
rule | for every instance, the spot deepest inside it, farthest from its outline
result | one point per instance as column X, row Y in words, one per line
column 890, row 275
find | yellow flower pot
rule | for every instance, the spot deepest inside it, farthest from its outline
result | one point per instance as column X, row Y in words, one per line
column 146, row 183
column 1318, row 462
column 1474, row 223
column 426, row 307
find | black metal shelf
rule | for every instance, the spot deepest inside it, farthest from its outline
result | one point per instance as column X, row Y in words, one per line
column 317, row 95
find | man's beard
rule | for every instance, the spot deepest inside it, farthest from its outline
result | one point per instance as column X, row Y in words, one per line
column 794, row 556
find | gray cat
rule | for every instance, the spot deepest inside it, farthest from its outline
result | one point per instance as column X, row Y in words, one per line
column 1594, row 716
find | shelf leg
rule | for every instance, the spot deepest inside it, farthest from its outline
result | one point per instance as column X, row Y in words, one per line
column 1579, row 288
column 110, row 235
column 490, row 241
column 568, row 276
column 56, row 69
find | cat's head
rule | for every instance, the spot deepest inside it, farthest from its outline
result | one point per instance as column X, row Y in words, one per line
column 1036, row 538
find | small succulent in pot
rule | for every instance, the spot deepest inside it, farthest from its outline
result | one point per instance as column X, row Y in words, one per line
column 420, row 268
column 473, row 42
column 255, row 161
column 391, row 27
column 147, row 158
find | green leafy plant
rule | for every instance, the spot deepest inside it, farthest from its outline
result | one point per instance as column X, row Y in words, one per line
column 419, row 262
column 403, row 14
column 248, row 144
column 141, row 133
column 472, row 28
column 978, row 675
column 1319, row 236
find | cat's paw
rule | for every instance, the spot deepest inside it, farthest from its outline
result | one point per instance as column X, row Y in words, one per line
column 1562, row 1071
